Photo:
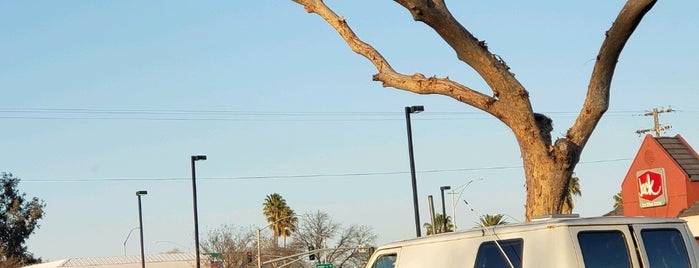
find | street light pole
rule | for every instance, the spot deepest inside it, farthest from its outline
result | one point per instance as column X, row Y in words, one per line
column 196, row 216
column 444, row 209
column 127, row 239
column 453, row 203
column 409, row 110
column 259, row 250
column 140, row 224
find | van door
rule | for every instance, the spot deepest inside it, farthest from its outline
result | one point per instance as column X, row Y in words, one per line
column 385, row 258
column 604, row 246
column 665, row 245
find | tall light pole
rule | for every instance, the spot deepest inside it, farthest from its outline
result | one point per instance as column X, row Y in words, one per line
column 444, row 209
column 196, row 216
column 410, row 110
column 140, row 226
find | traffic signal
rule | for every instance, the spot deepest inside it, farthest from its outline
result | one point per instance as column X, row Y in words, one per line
column 249, row 255
column 311, row 256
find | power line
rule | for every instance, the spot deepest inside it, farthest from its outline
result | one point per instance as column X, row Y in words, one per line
column 240, row 115
column 300, row 176
column 240, row 112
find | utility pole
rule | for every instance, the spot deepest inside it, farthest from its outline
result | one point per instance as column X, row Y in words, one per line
column 657, row 128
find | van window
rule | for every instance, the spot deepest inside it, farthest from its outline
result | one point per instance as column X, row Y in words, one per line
column 385, row 261
column 604, row 249
column 490, row 256
column 665, row 248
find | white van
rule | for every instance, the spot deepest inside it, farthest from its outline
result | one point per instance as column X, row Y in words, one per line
column 552, row 242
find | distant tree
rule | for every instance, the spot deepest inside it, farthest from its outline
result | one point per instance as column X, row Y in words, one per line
column 280, row 216
column 18, row 219
column 428, row 228
column 439, row 222
column 174, row 250
column 288, row 224
column 10, row 263
column 618, row 202
column 269, row 250
column 492, row 220
column 232, row 243
column 318, row 230
column 573, row 190
column 548, row 163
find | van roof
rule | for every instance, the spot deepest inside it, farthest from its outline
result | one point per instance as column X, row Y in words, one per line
column 544, row 222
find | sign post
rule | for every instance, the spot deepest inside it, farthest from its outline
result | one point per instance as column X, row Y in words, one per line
column 324, row 265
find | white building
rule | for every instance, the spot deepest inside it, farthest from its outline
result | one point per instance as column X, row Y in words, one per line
column 168, row 260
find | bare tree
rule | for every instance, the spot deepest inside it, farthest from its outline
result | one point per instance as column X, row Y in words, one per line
column 319, row 231
column 547, row 165
column 351, row 246
column 316, row 229
column 232, row 243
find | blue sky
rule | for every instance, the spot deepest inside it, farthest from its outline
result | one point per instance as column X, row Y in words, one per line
column 102, row 99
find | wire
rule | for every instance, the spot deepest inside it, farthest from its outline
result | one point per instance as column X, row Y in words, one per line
column 305, row 176
column 242, row 116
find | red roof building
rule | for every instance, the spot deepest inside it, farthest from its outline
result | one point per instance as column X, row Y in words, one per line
column 663, row 181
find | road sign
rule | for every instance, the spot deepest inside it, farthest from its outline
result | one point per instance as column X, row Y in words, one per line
column 324, row 265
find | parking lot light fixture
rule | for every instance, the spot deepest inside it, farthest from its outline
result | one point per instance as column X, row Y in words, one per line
column 140, row 224
column 411, row 110
column 194, row 201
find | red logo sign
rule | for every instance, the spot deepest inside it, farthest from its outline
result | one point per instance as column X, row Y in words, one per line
column 650, row 185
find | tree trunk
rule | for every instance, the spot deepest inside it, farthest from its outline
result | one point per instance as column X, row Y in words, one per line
column 547, row 168
column 546, row 186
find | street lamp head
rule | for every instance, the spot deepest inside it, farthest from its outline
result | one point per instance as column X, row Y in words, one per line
column 198, row 157
column 140, row 193
column 415, row 109
column 444, row 188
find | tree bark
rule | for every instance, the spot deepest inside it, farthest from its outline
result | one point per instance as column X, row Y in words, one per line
column 547, row 165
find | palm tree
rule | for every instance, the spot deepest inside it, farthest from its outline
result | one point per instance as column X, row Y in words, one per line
column 492, row 220
column 428, row 228
column 439, row 225
column 281, row 217
column 618, row 202
column 573, row 190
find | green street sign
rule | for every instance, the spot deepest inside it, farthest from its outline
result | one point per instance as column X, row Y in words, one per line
column 324, row 265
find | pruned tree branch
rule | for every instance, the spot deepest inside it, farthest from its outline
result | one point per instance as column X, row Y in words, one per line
column 468, row 48
column 510, row 101
column 597, row 99
column 416, row 83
